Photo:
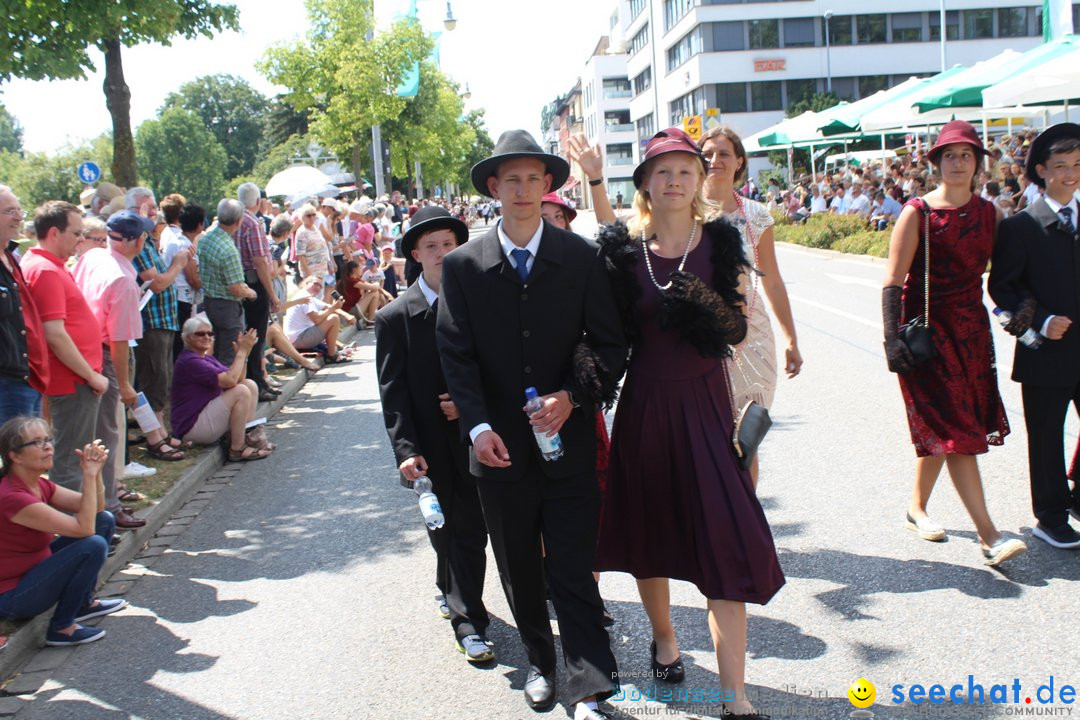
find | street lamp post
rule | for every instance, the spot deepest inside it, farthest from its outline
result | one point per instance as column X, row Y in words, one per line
column 828, row 53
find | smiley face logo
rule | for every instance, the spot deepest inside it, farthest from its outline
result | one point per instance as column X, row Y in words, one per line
column 862, row 693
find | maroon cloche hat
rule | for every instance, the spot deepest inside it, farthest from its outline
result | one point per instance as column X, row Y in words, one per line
column 956, row 131
column 671, row 140
column 554, row 199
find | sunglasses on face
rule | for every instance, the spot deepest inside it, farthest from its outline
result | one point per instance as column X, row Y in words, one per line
column 39, row 442
column 204, row 334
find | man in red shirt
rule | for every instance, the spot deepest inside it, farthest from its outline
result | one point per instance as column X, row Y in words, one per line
column 73, row 336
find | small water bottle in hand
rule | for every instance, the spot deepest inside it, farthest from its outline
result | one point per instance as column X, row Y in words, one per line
column 1030, row 338
column 550, row 447
column 429, row 504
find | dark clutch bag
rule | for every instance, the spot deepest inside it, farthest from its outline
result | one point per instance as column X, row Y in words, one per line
column 751, row 425
column 920, row 340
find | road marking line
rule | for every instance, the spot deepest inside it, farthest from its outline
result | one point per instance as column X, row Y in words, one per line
column 852, row 280
column 836, row 311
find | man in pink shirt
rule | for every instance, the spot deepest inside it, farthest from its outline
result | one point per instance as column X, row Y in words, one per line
column 109, row 283
column 73, row 336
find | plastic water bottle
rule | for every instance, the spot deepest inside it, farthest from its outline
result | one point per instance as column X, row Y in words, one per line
column 550, row 447
column 1030, row 338
column 429, row 504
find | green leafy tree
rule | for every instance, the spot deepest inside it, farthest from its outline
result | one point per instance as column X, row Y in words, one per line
column 344, row 74
column 51, row 39
column 11, row 134
column 232, row 110
column 178, row 154
column 482, row 148
column 280, row 157
column 37, row 177
column 282, row 122
column 801, row 156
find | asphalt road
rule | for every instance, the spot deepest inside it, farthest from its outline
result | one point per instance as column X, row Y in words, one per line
column 304, row 586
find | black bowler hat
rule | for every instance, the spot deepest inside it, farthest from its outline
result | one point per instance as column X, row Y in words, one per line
column 1039, row 152
column 433, row 217
column 515, row 144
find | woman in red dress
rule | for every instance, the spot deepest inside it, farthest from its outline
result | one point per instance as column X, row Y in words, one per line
column 952, row 401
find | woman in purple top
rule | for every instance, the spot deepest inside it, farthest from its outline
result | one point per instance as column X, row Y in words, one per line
column 209, row 399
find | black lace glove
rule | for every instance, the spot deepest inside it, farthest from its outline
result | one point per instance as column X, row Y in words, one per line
column 701, row 315
column 1022, row 318
column 897, row 352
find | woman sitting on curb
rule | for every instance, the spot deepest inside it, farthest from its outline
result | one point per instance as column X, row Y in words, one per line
column 209, row 399
column 48, row 556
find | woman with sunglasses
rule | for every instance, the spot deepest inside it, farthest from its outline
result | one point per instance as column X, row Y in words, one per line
column 677, row 504
column 53, row 541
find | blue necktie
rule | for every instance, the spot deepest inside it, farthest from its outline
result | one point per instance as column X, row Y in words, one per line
column 1066, row 220
column 521, row 260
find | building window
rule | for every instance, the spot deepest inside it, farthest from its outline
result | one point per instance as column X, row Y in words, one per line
column 764, row 34
column 800, row 90
column 646, row 127
column 844, row 87
column 870, row 84
column 687, row 47
column 643, row 81
column 616, row 88
column 765, row 96
column 839, row 30
column 1076, row 27
column 952, row 25
column 731, row 97
column 870, row 29
column 620, row 154
column 692, row 103
column 907, row 27
column 588, row 94
column 636, row 6
column 640, row 39
column 1012, row 22
column 978, row 24
column 799, row 32
column 674, row 11
column 617, row 120
column 728, row 36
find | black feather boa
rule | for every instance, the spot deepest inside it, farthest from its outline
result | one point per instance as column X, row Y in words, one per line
column 706, row 317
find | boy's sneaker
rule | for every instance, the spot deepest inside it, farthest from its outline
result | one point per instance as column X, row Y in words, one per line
column 1060, row 537
column 138, row 470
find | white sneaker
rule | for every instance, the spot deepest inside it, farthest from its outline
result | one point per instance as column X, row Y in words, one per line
column 926, row 528
column 138, row 470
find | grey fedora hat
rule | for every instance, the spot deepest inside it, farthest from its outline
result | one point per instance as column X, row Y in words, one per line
column 515, row 144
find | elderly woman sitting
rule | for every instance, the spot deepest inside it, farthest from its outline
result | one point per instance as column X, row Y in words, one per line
column 53, row 541
column 209, row 399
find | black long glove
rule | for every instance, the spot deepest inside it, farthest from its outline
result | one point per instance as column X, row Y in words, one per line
column 896, row 350
column 1021, row 318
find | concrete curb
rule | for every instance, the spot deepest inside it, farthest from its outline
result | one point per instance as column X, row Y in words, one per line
column 30, row 638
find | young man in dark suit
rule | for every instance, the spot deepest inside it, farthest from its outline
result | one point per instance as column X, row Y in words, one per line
column 516, row 303
column 1036, row 275
column 422, row 421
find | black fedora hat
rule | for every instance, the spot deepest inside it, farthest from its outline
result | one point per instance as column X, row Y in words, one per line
column 433, row 217
column 515, row 144
column 1039, row 152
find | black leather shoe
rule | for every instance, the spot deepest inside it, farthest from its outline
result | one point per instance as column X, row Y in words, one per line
column 672, row 673
column 540, row 690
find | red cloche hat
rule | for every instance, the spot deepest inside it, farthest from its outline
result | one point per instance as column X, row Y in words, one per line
column 554, row 199
column 956, row 131
column 670, row 140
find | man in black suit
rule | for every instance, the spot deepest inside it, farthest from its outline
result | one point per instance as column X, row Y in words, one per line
column 1036, row 275
column 422, row 421
column 516, row 303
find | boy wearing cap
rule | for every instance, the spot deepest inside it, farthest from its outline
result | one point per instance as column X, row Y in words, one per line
column 515, row 304
column 1034, row 275
column 422, row 422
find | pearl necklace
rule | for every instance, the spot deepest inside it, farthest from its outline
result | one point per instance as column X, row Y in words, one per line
column 682, row 263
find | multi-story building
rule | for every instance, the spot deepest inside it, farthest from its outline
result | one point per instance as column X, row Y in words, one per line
column 752, row 59
column 606, row 94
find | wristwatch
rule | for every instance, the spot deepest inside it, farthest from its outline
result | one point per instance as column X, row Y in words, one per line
column 597, row 181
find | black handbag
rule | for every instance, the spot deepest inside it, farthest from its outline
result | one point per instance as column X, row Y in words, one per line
column 917, row 333
column 752, row 422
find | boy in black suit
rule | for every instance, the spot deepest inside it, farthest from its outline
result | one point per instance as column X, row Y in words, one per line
column 516, row 303
column 1036, row 275
column 421, row 419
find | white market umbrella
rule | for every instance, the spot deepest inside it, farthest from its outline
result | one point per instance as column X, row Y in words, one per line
column 1052, row 83
column 298, row 180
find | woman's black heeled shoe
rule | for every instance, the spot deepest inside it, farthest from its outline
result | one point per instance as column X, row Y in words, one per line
column 672, row 673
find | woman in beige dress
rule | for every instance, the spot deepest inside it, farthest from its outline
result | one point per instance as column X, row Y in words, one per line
column 753, row 364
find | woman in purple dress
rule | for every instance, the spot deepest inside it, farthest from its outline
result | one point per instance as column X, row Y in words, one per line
column 677, row 504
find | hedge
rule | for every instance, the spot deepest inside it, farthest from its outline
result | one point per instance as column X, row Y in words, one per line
column 843, row 233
